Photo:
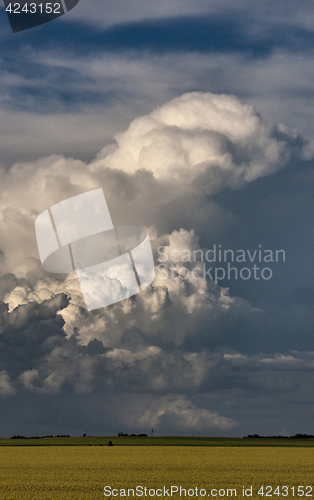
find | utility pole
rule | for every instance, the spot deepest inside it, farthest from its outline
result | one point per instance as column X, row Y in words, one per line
column 152, row 432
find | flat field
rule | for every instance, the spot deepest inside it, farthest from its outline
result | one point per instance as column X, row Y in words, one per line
column 75, row 472
column 157, row 440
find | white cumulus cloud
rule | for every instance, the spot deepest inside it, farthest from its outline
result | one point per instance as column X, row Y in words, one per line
column 204, row 142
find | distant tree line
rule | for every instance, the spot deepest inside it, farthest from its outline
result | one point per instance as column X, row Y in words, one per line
column 121, row 434
column 40, row 437
column 296, row 436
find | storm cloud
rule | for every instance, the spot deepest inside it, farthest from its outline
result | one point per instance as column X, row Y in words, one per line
column 180, row 354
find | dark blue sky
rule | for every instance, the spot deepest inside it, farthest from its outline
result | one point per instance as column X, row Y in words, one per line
column 207, row 33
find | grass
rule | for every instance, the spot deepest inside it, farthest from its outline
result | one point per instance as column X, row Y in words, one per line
column 158, row 441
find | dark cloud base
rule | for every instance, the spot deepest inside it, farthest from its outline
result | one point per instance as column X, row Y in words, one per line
column 52, row 384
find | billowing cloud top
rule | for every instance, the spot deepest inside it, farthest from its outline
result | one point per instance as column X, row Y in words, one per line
column 206, row 142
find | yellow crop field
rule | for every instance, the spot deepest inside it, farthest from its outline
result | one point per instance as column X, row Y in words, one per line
column 75, row 472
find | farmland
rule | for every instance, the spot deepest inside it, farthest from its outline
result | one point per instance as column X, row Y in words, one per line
column 157, row 441
column 75, row 472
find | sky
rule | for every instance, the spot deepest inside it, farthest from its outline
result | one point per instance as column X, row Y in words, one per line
column 196, row 119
